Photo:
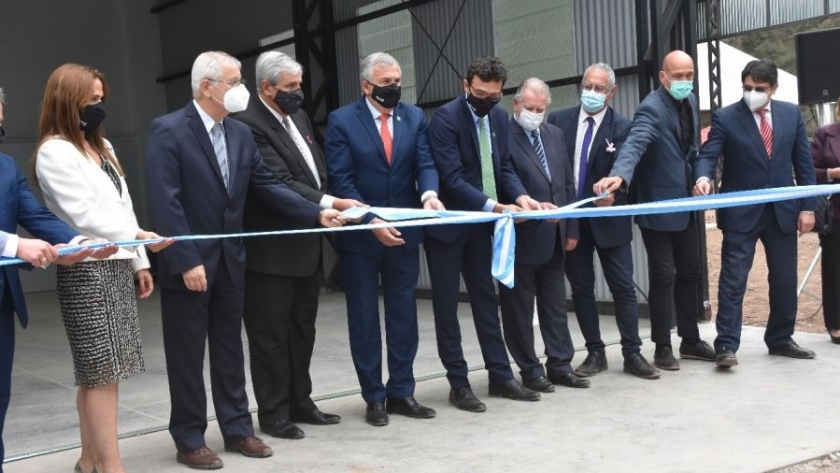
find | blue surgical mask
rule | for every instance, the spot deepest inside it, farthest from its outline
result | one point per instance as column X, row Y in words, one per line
column 680, row 89
column 592, row 101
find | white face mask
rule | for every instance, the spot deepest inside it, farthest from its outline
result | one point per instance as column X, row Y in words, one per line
column 755, row 100
column 236, row 99
column 530, row 121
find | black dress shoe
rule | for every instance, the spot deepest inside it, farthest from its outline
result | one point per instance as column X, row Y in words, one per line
column 316, row 417
column 663, row 358
column 465, row 400
column 539, row 384
column 638, row 366
column 595, row 362
column 792, row 350
column 283, row 430
column 725, row 357
column 834, row 339
column 376, row 414
column 409, row 407
column 570, row 380
column 513, row 390
column 699, row 351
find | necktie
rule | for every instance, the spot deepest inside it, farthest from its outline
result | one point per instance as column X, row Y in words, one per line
column 488, row 178
column 302, row 147
column 538, row 147
column 218, row 134
column 766, row 132
column 686, row 127
column 584, row 157
column 386, row 136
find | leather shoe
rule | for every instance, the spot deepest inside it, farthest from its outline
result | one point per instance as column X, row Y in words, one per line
column 283, row 430
column 409, row 407
column 513, row 390
column 540, row 384
column 250, row 447
column 316, row 417
column 376, row 415
column 725, row 357
column 201, row 459
column 637, row 365
column 699, row 351
column 663, row 358
column 595, row 362
column 570, row 380
column 465, row 400
column 835, row 340
column 792, row 350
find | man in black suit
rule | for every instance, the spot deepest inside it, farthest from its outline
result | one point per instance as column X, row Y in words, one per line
column 538, row 154
column 282, row 272
column 594, row 134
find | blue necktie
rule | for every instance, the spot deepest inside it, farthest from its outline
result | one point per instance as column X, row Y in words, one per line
column 584, row 157
column 538, row 147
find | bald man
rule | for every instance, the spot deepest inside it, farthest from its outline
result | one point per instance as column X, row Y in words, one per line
column 656, row 159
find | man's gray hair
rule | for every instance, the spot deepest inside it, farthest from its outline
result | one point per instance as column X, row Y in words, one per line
column 604, row 67
column 2, row 97
column 208, row 65
column 379, row 59
column 271, row 64
column 535, row 85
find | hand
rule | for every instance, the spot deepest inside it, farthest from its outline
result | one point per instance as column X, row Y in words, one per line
column 607, row 184
column 387, row 236
column 500, row 208
column 79, row 255
column 331, row 218
column 703, row 187
column 805, row 223
column 571, row 243
column 153, row 247
column 527, row 203
column 344, row 204
column 434, row 204
column 549, row 206
column 38, row 253
column 145, row 284
column 195, row 279
column 605, row 201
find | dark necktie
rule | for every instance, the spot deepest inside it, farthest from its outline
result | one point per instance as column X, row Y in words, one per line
column 584, row 157
column 538, row 148
column 686, row 127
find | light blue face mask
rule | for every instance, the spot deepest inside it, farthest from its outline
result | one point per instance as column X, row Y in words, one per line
column 680, row 89
column 592, row 101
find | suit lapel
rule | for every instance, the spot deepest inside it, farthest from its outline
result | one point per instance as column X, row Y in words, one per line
column 602, row 136
column 203, row 138
column 368, row 123
column 398, row 132
column 468, row 119
column 779, row 123
column 745, row 117
column 556, row 168
column 301, row 160
column 524, row 142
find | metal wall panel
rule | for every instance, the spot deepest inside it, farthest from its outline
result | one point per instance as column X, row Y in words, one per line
column 391, row 34
column 347, row 65
column 605, row 31
column 834, row 6
column 786, row 11
column 737, row 16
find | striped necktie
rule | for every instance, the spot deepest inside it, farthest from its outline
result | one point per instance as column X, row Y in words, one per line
column 218, row 134
column 766, row 132
column 538, row 147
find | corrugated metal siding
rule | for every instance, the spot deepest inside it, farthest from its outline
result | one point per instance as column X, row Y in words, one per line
column 605, row 31
column 737, row 16
column 834, row 6
column 785, row 11
column 347, row 64
column 391, row 34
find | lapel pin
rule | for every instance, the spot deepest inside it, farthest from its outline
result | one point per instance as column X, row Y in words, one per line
column 399, row 118
column 308, row 139
column 494, row 134
column 610, row 146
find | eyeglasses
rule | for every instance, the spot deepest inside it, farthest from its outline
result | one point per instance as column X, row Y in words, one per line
column 231, row 82
column 601, row 89
column 760, row 90
column 484, row 95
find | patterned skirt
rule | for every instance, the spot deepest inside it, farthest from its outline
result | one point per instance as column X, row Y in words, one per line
column 99, row 308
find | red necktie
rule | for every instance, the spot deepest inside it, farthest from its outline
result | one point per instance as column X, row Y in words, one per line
column 386, row 136
column 766, row 133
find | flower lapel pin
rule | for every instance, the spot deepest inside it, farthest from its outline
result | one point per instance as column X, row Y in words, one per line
column 308, row 139
column 610, row 146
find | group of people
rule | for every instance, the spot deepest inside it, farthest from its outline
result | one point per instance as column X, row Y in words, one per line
column 229, row 161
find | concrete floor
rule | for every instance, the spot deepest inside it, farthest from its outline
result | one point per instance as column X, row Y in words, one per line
column 766, row 413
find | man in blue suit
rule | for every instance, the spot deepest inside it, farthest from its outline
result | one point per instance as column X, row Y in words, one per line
column 469, row 143
column 766, row 145
column 199, row 168
column 657, row 153
column 378, row 153
column 595, row 133
column 538, row 154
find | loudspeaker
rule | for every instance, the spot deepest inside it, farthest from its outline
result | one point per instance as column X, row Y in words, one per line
column 818, row 66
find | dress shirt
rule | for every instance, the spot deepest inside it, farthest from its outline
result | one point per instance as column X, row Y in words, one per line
column 581, row 131
column 768, row 115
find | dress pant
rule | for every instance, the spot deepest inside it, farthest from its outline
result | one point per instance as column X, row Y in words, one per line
column 398, row 268
column 7, row 354
column 280, row 313
column 545, row 282
column 830, row 268
column 469, row 255
column 191, row 320
column 617, row 265
column 737, row 253
column 674, row 273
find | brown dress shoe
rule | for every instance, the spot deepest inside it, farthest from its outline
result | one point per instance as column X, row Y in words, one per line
column 201, row 459
column 250, row 447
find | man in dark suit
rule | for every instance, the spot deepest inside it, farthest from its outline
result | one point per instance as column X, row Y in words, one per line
column 766, row 145
column 538, row 154
column 657, row 153
column 378, row 153
column 281, row 272
column 199, row 167
column 594, row 133
column 469, row 142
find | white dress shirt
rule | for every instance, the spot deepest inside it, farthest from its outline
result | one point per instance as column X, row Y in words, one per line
column 581, row 131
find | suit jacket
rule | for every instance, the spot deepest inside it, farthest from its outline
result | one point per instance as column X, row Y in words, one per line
column 652, row 155
column 537, row 239
column 454, row 141
column 735, row 135
column 358, row 168
column 188, row 196
column 608, row 232
column 292, row 255
column 825, row 153
column 18, row 206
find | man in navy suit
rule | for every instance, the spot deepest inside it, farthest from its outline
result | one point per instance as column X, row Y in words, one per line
column 199, row 167
column 469, row 143
column 378, row 153
column 657, row 153
column 595, row 133
column 538, row 154
column 765, row 144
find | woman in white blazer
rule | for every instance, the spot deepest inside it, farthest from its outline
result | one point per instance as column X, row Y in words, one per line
column 83, row 184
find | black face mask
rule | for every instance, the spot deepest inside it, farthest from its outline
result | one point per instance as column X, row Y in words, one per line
column 482, row 106
column 91, row 117
column 2, row 134
column 388, row 96
column 289, row 102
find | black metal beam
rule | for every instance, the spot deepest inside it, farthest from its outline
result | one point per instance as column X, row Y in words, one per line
column 161, row 6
